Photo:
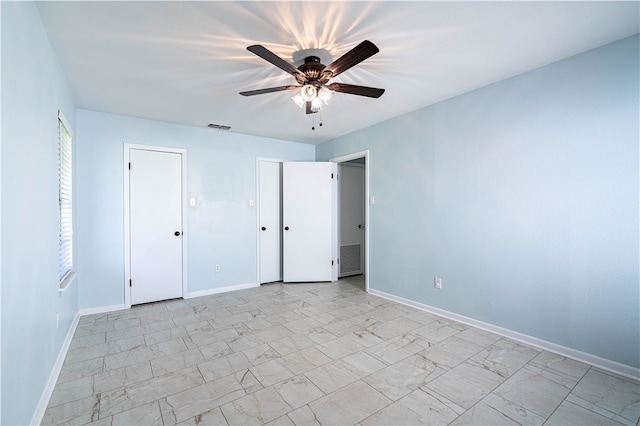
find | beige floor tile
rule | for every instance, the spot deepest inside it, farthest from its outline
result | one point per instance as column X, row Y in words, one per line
column 271, row 372
column 333, row 376
column 349, row 405
column 341, row 347
column 124, row 399
column 76, row 412
column 72, row 390
column 505, row 357
column 450, row 352
column 609, row 395
column 534, row 392
column 290, row 344
column 420, row 407
column 200, row 399
column 398, row 348
column 402, row 378
column 571, row 414
column 305, row 360
column 122, row 377
column 211, row 418
column 147, row 414
column 560, row 365
column 298, row 391
column 81, row 369
column 256, row 409
column 466, row 384
column 303, row 416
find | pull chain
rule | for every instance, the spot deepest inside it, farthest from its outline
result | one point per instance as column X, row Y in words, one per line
column 313, row 122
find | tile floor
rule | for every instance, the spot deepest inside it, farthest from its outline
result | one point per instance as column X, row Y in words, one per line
column 326, row 354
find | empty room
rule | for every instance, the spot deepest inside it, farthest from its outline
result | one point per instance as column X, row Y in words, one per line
column 309, row 212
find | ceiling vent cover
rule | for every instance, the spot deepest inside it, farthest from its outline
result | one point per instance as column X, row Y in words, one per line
column 218, row 126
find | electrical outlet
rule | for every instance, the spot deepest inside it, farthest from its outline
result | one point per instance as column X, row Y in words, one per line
column 437, row 283
column 218, row 268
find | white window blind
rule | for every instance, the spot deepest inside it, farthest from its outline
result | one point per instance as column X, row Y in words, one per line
column 65, row 194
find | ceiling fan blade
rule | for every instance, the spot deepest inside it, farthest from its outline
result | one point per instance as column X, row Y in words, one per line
column 269, row 90
column 353, row 57
column 276, row 60
column 353, row 89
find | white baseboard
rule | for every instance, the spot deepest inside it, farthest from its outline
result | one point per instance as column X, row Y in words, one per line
column 102, row 309
column 55, row 372
column 211, row 291
column 596, row 361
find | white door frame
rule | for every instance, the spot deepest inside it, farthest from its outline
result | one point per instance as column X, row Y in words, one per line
column 353, row 156
column 258, row 161
column 340, row 207
column 127, row 234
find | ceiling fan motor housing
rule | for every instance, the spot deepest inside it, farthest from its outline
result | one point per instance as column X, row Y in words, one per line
column 312, row 70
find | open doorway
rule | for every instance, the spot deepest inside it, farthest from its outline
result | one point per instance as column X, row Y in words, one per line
column 353, row 217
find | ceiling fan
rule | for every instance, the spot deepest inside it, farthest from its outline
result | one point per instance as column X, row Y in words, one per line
column 313, row 77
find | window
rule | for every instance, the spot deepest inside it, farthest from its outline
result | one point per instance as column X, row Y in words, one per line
column 65, row 197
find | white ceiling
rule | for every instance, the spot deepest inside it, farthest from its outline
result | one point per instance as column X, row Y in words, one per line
column 185, row 62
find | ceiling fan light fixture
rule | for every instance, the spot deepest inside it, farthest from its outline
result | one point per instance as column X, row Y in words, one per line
column 298, row 100
column 308, row 92
column 326, row 95
column 316, row 104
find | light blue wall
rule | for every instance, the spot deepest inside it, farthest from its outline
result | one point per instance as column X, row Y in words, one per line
column 221, row 176
column 524, row 197
column 33, row 89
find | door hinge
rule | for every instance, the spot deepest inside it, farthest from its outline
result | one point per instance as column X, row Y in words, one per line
column 129, row 166
column 129, row 283
column 331, row 175
column 332, row 263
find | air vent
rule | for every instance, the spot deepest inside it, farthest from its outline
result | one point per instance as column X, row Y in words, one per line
column 350, row 259
column 218, row 126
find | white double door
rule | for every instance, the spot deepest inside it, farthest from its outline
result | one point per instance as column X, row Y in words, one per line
column 298, row 221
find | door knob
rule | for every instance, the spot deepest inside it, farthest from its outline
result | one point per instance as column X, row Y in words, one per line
column 263, row 228
column 177, row 233
column 286, row 228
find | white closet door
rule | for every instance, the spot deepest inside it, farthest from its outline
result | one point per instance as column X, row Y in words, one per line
column 270, row 221
column 309, row 192
column 155, row 211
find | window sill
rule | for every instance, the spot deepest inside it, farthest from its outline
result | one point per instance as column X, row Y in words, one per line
column 67, row 281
